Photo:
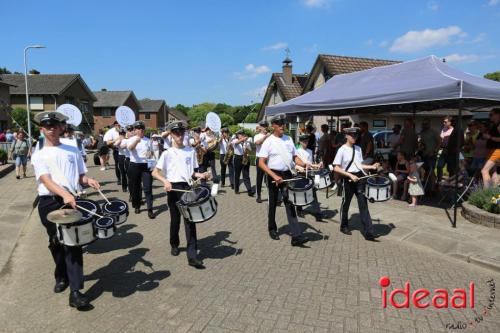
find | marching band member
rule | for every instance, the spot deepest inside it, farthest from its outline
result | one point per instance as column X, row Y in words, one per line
column 140, row 150
column 223, row 150
column 176, row 169
column 276, row 157
column 122, row 155
column 208, row 138
column 109, row 138
column 70, row 139
column 126, row 163
column 167, row 139
column 306, row 156
column 59, row 170
column 240, row 145
column 348, row 163
column 259, row 139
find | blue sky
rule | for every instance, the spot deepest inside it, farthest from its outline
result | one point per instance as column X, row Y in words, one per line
column 224, row 51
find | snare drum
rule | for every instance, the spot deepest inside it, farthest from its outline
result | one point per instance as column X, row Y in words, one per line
column 321, row 178
column 378, row 189
column 104, row 227
column 198, row 206
column 81, row 232
column 117, row 209
column 300, row 191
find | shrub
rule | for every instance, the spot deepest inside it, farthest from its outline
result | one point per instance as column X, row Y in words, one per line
column 3, row 156
column 484, row 199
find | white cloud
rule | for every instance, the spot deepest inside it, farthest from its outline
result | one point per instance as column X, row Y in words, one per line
column 369, row 42
column 317, row 3
column 457, row 58
column 257, row 92
column 252, row 71
column 419, row 40
column 493, row 2
column 277, row 46
column 479, row 38
column 384, row 43
column 432, row 6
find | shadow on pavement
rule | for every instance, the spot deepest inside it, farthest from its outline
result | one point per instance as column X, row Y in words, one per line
column 121, row 240
column 212, row 247
column 314, row 234
column 379, row 228
column 121, row 278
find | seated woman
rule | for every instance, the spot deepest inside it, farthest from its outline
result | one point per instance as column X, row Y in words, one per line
column 401, row 172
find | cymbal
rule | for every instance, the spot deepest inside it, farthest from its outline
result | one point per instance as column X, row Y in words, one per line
column 64, row 216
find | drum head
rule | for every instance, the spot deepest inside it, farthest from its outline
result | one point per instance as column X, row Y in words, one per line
column 301, row 184
column 195, row 197
column 115, row 206
column 104, row 222
column 378, row 181
column 89, row 205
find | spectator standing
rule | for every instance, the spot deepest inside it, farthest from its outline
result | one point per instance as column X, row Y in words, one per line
column 431, row 142
column 493, row 144
column 392, row 142
column 326, row 149
column 408, row 140
column 9, row 137
column 19, row 151
column 480, row 151
column 365, row 141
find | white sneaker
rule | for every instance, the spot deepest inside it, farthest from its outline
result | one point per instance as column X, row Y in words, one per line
column 334, row 187
column 103, row 168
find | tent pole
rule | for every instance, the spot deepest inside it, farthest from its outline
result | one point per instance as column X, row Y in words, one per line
column 457, row 160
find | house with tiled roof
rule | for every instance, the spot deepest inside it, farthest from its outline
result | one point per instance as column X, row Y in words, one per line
column 107, row 103
column 153, row 112
column 48, row 91
column 174, row 114
column 5, row 121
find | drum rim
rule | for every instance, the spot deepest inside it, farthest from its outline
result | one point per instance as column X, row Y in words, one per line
column 196, row 203
column 387, row 181
column 99, row 226
column 108, row 210
column 215, row 212
column 294, row 189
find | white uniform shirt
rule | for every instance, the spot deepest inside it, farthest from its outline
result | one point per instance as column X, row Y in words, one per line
column 240, row 147
column 223, row 146
column 257, row 137
column 123, row 145
column 64, row 164
column 142, row 151
column 305, row 155
column 178, row 164
column 279, row 152
column 344, row 156
column 111, row 135
column 73, row 142
column 167, row 142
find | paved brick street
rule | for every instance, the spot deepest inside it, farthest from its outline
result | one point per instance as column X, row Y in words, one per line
column 251, row 284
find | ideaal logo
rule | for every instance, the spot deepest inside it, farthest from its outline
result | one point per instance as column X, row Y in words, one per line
column 440, row 299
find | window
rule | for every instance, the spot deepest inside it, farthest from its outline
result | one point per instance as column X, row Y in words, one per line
column 379, row 123
column 332, row 125
column 69, row 100
column 84, row 106
column 36, row 102
column 147, row 115
column 106, row 112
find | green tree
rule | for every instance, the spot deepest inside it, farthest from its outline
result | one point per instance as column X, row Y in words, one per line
column 495, row 76
column 251, row 117
column 226, row 119
column 20, row 118
column 4, row 70
column 199, row 112
column 182, row 108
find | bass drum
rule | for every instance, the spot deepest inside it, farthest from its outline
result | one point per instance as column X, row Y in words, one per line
column 197, row 206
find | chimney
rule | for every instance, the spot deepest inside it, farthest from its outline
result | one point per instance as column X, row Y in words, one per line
column 104, row 89
column 287, row 71
column 34, row 72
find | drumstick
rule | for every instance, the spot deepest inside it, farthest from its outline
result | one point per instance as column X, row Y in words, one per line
column 179, row 190
column 306, row 170
column 287, row 180
column 102, row 194
column 368, row 176
column 89, row 211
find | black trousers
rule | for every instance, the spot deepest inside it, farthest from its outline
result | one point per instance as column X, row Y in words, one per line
column 116, row 160
column 223, row 168
column 175, row 222
column 259, row 178
column 123, row 166
column 357, row 189
column 209, row 162
column 140, row 179
column 291, row 214
column 68, row 259
column 239, row 168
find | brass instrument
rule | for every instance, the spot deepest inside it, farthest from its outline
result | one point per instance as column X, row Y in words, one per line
column 246, row 152
column 229, row 153
column 212, row 145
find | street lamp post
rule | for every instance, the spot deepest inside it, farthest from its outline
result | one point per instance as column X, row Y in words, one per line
column 26, row 83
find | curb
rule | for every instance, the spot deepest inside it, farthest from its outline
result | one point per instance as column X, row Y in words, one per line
column 4, row 172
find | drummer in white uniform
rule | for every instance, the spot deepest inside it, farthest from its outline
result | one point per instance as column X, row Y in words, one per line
column 122, row 155
column 306, row 155
column 276, row 157
column 59, row 170
column 175, row 169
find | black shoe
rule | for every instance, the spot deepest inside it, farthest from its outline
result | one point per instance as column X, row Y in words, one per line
column 175, row 251
column 60, row 286
column 236, row 192
column 198, row 264
column 118, row 182
column 137, row 210
column 274, row 235
column 251, row 194
column 370, row 237
column 259, row 200
column 345, row 231
column 78, row 300
column 299, row 240
column 300, row 213
column 151, row 215
column 18, row 177
column 232, row 187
